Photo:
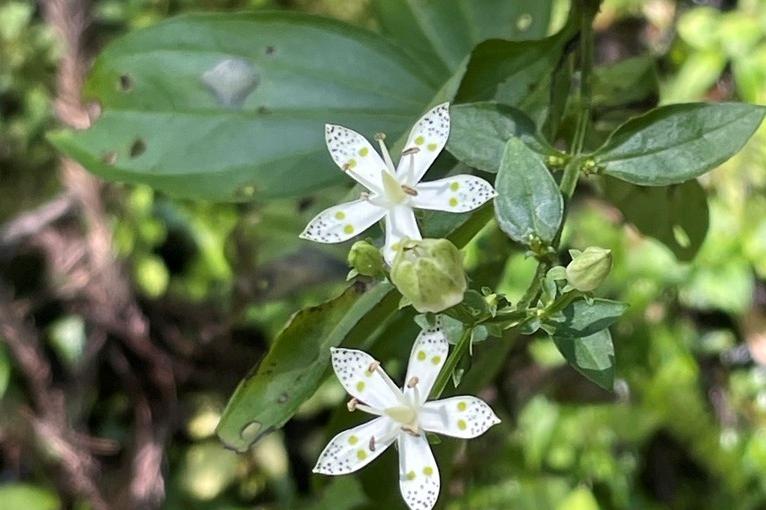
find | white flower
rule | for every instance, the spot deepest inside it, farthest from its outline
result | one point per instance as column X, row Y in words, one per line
column 394, row 193
column 404, row 416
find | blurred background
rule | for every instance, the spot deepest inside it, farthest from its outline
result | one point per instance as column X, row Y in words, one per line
column 113, row 373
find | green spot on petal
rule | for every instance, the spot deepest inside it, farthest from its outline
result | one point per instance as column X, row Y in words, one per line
column 340, row 215
column 420, row 140
column 411, row 475
column 364, row 151
column 428, row 470
column 454, row 186
column 360, row 386
column 436, row 360
column 421, row 355
column 462, row 406
column 432, row 147
column 361, row 454
column 348, row 229
column 462, row 425
column 453, row 202
column 352, row 440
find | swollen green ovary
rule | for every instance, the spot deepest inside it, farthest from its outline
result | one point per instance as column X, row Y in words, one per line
column 404, row 415
column 393, row 189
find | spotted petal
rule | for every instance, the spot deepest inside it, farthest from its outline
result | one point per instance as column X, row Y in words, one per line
column 418, row 472
column 350, row 450
column 354, row 154
column 342, row 222
column 464, row 417
column 426, row 360
column 400, row 224
column 426, row 141
column 373, row 387
column 459, row 193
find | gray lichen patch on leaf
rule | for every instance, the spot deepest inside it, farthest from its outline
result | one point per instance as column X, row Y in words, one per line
column 231, row 81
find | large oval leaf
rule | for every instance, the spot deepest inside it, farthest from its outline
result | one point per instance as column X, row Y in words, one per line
column 592, row 356
column 227, row 107
column 528, row 202
column 441, row 33
column 675, row 143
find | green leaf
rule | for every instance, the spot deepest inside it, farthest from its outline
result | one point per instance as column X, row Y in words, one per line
column 233, row 106
column 528, row 204
column 28, row 497
column 479, row 132
column 580, row 319
column 442, row 33
column 515, row 73
column 627, row 81
column 297, row 361
column 676, row 215
column 675, row 143
column 592, row 356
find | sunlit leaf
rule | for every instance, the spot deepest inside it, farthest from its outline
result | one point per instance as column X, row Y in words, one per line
column 592, row 356
column 675, row 143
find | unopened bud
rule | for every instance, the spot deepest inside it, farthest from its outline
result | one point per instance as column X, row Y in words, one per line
column 430, row 274
column 366, row 259
column 589, row 269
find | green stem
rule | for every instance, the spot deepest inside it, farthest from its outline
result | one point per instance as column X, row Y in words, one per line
column 567, row 188
column 452, row 361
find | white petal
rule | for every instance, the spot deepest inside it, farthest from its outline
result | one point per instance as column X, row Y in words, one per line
column 354, row 154
column 460, row 193
column 350, row 450
column 426, row 360
column 464, row 417
column 428, row 137
column 418, row 472
column 373, row 387
column 342, row 222
column 400, row 224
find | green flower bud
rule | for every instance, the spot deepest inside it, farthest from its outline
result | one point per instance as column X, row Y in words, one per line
column 589, row 268
column 430, row 274
column 366, row 259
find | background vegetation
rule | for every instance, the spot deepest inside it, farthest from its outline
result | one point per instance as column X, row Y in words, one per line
column 113, row 376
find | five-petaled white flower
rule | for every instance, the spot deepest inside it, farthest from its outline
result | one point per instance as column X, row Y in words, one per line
column 404, row 416
column 393, row 193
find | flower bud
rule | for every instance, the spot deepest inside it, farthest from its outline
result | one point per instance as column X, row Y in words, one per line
column 430, row 274
column 589, row 268
column 366, row 259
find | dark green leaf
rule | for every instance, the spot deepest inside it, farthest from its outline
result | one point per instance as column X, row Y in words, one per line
column 528, row 204
column 675, row 143
column 299, row 357
column 227, row 107
column 515, row 73
column 581, row 319
column 479, row 132
column 676, row 215
column 592, row 356
column 442, row 33
column 628, row 81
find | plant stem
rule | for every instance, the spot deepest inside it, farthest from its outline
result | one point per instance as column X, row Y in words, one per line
column 566, row 186
column 452, row 361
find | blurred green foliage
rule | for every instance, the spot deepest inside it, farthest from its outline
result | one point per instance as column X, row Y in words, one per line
column 685, row 427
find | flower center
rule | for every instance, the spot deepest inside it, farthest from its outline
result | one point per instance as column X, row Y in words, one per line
column 404, row 415
column 395, row 192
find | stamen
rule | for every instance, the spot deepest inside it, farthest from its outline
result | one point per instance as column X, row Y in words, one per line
column 354, row 404
column 412, row 430
column 409, row 190
column 380, row 137
column 372, row 443
column 413, row 382
column 413, row 385
column 351, row 405
column 364, row 195
column 410, row 151
column 375, row 367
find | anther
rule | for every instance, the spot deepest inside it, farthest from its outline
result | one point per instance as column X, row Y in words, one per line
column 373, row 366
column 380, row 137
column 364, row 195
column 410, row 151
column 409, row 190
column 411, row 430
column 346, row 167
column 372, row 443
column 413, row 382
column 351, row 405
